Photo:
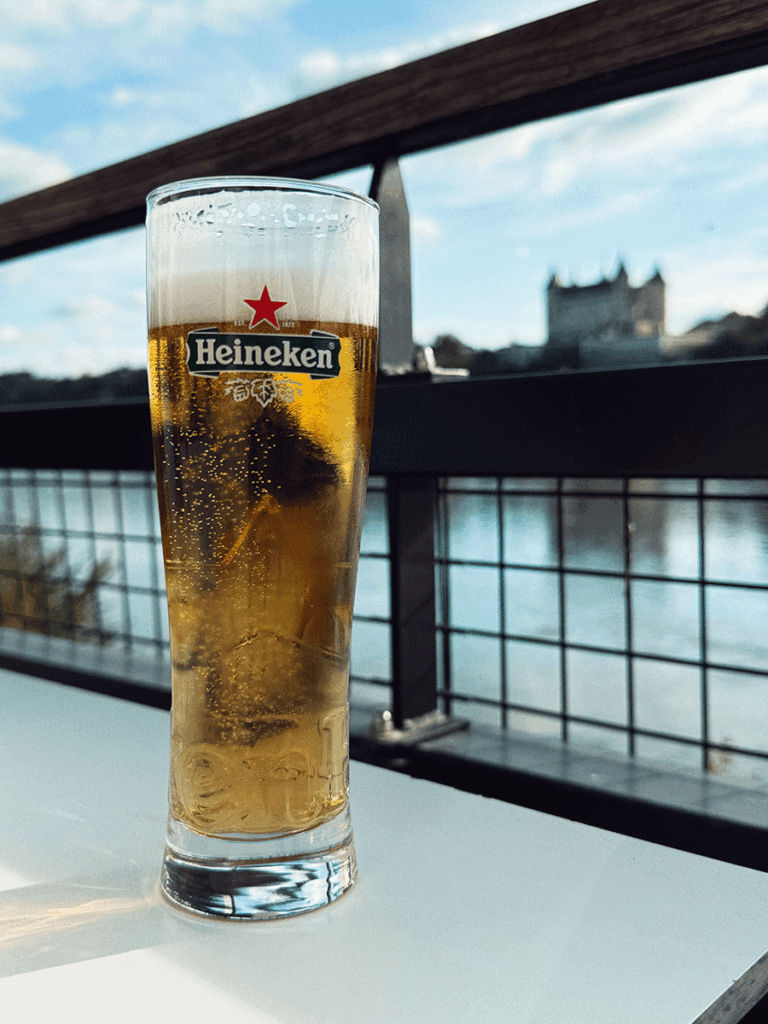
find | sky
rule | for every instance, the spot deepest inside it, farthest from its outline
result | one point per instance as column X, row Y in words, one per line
column 675, row 180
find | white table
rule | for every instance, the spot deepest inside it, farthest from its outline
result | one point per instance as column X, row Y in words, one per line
column 467, row 909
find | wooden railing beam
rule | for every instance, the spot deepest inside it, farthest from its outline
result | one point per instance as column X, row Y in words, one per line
column 591, row 55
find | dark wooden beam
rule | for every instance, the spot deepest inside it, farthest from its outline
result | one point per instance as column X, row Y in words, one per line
column 706, row 419
column 78, row 435
column 594, row 54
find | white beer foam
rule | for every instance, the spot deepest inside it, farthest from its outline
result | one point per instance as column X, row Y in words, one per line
column 317, row 253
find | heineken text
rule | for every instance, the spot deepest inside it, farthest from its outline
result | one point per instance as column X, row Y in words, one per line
column 210, row 352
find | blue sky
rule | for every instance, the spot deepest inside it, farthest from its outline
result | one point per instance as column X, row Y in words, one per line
column 676, row 179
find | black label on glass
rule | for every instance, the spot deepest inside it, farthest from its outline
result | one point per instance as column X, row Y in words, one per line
column 209, row 353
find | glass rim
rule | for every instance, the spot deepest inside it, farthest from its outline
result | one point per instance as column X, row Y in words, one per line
column 250, row 183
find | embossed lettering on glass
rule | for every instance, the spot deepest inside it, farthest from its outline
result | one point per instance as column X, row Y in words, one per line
column 263, row 312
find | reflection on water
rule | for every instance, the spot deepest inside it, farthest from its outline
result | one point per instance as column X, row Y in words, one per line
column 660, row 610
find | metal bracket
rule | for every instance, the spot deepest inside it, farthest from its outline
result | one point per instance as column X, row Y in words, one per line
column 415, row 730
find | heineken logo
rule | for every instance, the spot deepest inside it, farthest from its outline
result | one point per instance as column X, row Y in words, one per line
column 210, row 352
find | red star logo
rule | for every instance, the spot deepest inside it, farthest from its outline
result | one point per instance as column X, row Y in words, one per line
column 264, row 309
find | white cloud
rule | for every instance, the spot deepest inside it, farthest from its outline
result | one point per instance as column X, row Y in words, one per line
column 78, row 309
column 107, row 12
column 8, row 109
column 325, row 68
column 64, row 15
column 23, row 169
column 74, row 356
column 169, row 19
column 142, row 119
column 751, row 175
column 481, row 332
column 425, row 229
column 10, row 334
column 322, row 66
column 122, row 97
column 91, row 307
column 633, row 143
column 61, row 15
column 714, row 279
column 15, row 61
column 91, row 335
column 15, row 58
column 217, row 14
column 513, row 146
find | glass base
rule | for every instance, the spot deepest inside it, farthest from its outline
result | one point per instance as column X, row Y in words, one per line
column 253, row 878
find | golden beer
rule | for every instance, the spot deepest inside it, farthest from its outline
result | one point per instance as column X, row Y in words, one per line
column 260, row 510
column 263, row 305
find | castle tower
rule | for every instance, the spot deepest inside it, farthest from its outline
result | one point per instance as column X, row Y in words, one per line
column 609, row 309
column 648, row 306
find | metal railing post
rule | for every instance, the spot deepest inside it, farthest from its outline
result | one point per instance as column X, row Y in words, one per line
column 415, row 716
column 395, row 318
column 411, row 521
column 411, row 500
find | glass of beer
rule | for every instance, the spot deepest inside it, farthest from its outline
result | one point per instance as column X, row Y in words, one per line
column 263, row 312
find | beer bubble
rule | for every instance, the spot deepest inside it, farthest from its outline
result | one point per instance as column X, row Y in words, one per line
column 289, row 221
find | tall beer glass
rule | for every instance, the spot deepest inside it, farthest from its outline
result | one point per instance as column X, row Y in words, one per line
column 263, row 310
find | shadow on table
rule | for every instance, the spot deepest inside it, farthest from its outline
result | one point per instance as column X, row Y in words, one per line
column 66, row 922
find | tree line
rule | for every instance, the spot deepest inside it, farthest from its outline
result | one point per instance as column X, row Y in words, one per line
column 729, row 338
column 27, row 389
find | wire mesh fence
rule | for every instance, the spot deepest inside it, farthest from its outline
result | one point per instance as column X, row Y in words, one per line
column 628, row 614
column 81, row 557
column 67, row 533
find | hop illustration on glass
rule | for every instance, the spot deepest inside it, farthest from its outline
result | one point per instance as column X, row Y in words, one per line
column 263, row 305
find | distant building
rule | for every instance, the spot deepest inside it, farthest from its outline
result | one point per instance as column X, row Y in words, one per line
column 607, row 321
